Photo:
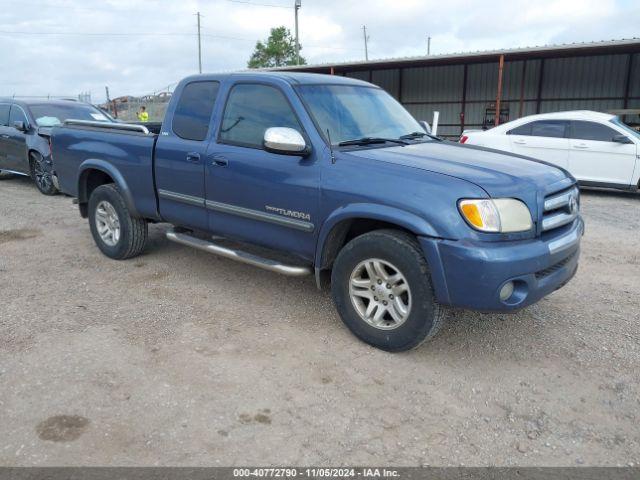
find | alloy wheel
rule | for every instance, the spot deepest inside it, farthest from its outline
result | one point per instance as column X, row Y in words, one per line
column 380, row 294
column 107, row 223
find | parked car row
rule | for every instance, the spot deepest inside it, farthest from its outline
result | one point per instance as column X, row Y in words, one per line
column 597, row 148
column 306, row 174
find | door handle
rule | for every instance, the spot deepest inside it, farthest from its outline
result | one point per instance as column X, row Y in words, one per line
column 220, row 162
column 193, row 157
column 580, row 145
column 520, row 142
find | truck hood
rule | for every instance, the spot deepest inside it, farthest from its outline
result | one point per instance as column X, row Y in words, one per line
column 499, row 174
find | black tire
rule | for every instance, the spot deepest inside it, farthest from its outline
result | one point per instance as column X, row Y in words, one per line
column 133, row 231
column 41, row 174
column 401, row 250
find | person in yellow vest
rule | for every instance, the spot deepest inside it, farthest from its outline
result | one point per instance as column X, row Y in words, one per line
column 143, row 115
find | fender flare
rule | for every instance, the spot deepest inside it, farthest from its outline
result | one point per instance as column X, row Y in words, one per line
column 107, row 168
column 407, row 220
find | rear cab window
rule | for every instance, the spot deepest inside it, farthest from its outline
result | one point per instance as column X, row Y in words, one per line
column 250, row 110
column 193, row 112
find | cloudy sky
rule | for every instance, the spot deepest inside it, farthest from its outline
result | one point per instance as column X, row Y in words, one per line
column 64, row 47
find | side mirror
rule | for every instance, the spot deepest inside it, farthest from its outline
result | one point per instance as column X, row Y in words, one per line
column 621, row 139
column 425, row 125
column 20, row 126
column 285, row 141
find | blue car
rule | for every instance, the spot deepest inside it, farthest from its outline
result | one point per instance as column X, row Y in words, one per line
column 310, row 174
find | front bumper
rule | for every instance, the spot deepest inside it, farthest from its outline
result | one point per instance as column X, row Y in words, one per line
column 470, row 274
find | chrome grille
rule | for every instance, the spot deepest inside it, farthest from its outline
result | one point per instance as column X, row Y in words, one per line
column 560, row 209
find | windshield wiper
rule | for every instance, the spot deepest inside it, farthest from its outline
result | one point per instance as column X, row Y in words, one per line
column 413, row 135
column 370, row 140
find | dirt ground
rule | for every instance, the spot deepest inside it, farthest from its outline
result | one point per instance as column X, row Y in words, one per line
column 182, row 358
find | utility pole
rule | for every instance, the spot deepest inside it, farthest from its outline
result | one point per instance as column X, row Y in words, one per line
column 297, row 6
column 106, row 89
column 428, row 46
column 199, row 46
column 366, row 39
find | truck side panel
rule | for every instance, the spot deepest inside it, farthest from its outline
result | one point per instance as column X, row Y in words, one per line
column 125, row 157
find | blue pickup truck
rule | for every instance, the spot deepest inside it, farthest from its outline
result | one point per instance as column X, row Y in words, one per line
column 312, row 174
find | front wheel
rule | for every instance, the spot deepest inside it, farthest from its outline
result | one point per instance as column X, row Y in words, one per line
column 117, row 233
column 382, row 289
column 41, row 174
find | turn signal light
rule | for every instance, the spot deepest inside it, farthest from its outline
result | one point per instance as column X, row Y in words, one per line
column 472, row 214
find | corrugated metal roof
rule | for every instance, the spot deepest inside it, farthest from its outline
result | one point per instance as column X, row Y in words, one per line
column 523, row 51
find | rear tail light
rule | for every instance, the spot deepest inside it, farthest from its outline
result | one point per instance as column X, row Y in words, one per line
column 463, row 139
column 50, row 149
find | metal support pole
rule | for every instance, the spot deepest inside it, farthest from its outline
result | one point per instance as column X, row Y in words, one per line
column 428, row 46
column 496, row 122
column 465, row 75
column 540, row 85
column 199, row 46
column 298, row 4
column 627, row 85
column 366, row 39
column 522, row 83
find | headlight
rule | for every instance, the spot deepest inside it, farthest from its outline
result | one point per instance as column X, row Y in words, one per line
column 505, row 215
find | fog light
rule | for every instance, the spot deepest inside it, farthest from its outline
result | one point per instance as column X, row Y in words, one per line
column 506, row 291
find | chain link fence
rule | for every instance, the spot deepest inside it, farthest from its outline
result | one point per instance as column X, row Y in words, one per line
column 127, row 108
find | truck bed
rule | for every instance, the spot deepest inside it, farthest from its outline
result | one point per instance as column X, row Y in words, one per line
column 81, row 145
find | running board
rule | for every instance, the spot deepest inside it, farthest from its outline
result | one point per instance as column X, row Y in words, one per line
column 238, row 255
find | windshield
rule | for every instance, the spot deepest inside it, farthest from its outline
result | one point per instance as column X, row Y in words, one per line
column 49, row 115
column 352, row 112
column 630, row 130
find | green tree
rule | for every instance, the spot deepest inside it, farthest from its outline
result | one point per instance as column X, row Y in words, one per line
column 278, row 50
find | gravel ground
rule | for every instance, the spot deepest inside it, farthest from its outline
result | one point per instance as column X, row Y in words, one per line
column 181, row 358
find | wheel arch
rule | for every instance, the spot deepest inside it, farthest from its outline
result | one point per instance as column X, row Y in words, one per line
column 355, row 220
column 91, row 174
column 31, row 151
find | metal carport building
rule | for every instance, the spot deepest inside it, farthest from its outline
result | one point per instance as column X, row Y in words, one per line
column 467, row 87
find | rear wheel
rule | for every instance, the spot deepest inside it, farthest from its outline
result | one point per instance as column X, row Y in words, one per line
column 382, row 289
column 41, row 174
column 117, row 233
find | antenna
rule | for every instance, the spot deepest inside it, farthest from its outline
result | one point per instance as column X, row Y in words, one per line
column 333, row 157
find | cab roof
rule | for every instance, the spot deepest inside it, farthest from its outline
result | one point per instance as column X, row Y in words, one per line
column 294, row 78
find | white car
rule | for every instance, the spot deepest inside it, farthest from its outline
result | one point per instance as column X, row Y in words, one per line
column 597, row 148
